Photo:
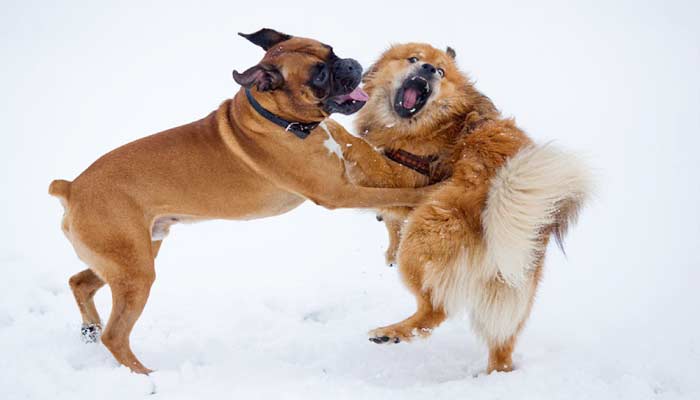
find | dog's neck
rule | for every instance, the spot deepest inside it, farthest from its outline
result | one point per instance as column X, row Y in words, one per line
column 299, row 129
column 261, row 109
column 429, row 142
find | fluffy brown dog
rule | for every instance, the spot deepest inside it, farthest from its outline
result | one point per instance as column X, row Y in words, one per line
column 478, row 243
column 249, row 159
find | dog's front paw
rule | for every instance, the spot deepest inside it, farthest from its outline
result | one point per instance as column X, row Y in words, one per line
column 397, row 333
column 90, row 332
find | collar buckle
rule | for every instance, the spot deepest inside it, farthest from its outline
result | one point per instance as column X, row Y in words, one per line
column 290, row 126
column 299, row 129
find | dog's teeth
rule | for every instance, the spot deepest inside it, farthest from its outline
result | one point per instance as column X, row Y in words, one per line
column 413, row 110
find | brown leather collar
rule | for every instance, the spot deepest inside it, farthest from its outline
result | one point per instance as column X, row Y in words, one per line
column 420, row 164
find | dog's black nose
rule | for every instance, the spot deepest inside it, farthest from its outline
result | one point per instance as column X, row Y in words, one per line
column 347, row 66
column 429, row 68
column 347, row 73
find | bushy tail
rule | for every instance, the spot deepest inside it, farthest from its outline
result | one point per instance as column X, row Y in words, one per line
column 538, row 191
column 61, row 189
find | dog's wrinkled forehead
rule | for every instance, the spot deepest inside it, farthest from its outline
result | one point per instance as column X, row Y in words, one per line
column 313, row 50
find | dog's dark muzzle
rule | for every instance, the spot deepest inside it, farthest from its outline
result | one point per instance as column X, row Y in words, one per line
column 346, row 97
column 346, row 74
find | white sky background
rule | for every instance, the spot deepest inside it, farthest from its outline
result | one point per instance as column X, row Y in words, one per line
column 616, row 81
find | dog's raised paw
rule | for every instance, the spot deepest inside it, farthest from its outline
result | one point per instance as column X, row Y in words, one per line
column 90, row 332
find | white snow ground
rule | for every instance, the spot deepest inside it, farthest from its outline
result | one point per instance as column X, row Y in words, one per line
column 278, row 308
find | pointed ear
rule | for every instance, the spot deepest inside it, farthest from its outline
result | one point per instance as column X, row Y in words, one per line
column 266, row 38
column 451, row 52
column 265, row 77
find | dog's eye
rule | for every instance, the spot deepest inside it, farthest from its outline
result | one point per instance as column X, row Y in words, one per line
column 322, row 74
column 413, row 60
column 441, row 72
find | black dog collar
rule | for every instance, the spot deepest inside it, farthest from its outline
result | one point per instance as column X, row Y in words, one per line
column 299, row 129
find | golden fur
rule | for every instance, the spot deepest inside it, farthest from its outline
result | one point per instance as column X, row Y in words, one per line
column 477, row 244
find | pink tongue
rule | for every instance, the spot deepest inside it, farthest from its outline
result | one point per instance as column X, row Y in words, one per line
column 410, row 97
column 358, row 94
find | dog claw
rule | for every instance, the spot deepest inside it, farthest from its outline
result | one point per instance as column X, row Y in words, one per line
column 90, row 333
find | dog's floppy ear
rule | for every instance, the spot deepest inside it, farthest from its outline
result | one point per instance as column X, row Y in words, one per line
column 266, row 38
column 451, row 52
column 265, row 77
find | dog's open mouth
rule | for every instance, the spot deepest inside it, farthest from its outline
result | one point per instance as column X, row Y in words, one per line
column 349, row 103
column 412, row 96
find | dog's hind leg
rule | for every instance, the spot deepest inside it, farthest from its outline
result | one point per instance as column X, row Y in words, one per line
column 130, row 286
column 84, row 286
column 119, row 250
column 499, row 313
column 420, row 324
column 500, row 356
column 431, row 241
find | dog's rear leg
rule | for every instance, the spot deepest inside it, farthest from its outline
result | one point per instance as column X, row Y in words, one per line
column 490, row 324
column 430, row 242
column 84, row 286
column 112, row 236
column 426, row 318
column 500, row 356
column 129, row 296
column 431, row 239
column 420, row 324
column 127, row 267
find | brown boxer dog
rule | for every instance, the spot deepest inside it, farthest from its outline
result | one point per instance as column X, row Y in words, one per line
column 257, row 156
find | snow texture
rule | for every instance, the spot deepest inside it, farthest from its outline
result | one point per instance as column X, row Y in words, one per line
column 279, row 308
